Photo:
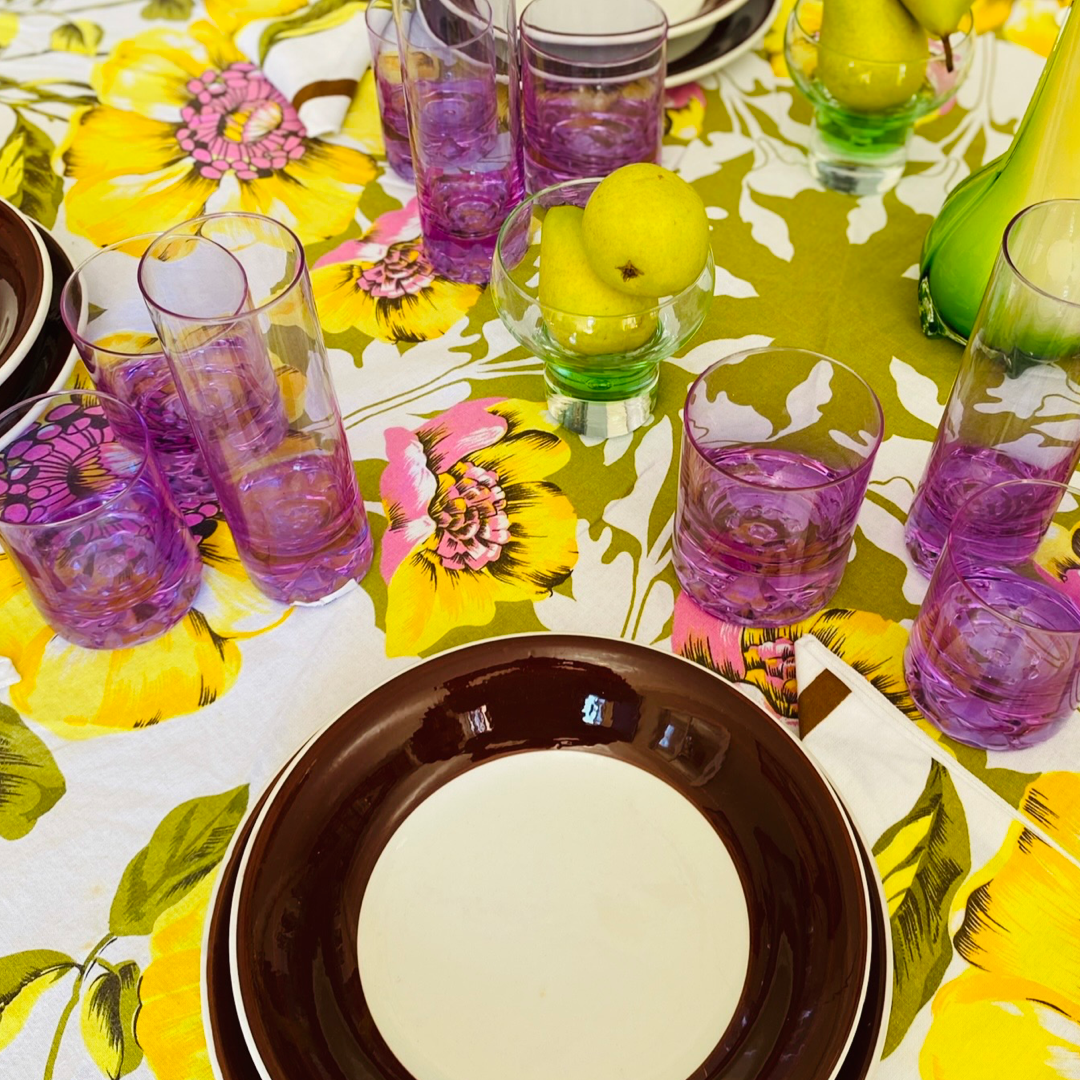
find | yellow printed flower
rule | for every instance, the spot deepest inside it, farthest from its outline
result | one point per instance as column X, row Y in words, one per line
column 384, row 285
column 1015, row 1012
column 187, row 125
column 988, row 15
column 684, row 112
column 1033, row 27
column 78, row 693
column 873, row 646
column 362, row 121
column 473, row 519
column 169, row 1026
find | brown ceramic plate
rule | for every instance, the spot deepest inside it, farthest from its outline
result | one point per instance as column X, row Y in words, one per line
column 25, row 285
column 734, row 35
column 647, row 690
column 304, row 873
column 52, row 357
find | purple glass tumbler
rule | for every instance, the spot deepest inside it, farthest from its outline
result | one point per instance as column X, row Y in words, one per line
column 89, row 522
column 230, row 298
column 778, row 445
column 461, row 84
column 1014, row 409
column 389, row 88
column 592, row 85
column 106, row 317
column 994, row 654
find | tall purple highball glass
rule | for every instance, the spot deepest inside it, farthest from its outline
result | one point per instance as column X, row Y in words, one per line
column 389, row 88
column 459, row 66
column 231, row 301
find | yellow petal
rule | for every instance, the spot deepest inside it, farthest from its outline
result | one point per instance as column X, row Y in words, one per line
column 1054, row 802
column 316, row 195
column 362, row 120
column 230, row 16
column 1022, row 918
column 130, row 176
column 990, row 14
column 523, row 415
column 169, row 1022
column 1034, row 28
column 529, row 455
column 148, row 74
column 425, row 602
column 9, row 28
column 341, row 302
column 543, row 542
column 989, row 1028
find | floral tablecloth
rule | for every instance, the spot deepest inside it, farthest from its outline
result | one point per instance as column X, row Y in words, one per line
column 123, row 775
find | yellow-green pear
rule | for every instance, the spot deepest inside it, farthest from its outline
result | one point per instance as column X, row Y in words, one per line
column 581, row 312
column 871, row 53
column 646, row 231
column 938, row 18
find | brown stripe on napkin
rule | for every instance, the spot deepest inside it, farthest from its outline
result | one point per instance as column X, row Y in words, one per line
column 819, row 699
column 324, row 88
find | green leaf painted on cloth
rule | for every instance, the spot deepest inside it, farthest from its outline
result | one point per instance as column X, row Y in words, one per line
column 176, row 10
column 185, row 847
column 30, row 782
column 108, row 1020
column 922, row 861
column 26, row 174
column 77, row 36
column 316, row 17
column 24, row 977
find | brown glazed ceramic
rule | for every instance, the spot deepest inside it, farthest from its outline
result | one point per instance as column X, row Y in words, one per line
column 310, row 855
column 728, row 33
column 232, row 1061
column 39, row 369
column 22, row 269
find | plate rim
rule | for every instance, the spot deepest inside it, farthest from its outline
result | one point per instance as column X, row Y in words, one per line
column 681, row 78
column 301, row 754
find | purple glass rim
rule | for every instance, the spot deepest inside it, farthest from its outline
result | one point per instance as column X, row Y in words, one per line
column 489, row 27
column 866, row 464
column 1007, row 255
column 381, row 5
column 240, row 313
column 114, row 402
column 76, row 274
column 963, row 574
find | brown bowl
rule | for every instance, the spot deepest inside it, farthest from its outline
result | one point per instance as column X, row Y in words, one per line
column 26, row 283
column 296, row 910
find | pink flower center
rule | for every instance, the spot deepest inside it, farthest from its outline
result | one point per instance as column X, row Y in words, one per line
column 471, row 519
column 403, row 271
column 237, row 120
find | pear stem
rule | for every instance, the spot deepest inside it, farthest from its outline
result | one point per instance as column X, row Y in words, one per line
column 948, row 52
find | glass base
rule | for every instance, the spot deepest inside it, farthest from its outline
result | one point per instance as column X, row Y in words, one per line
column 856, row 166
column 601, row 419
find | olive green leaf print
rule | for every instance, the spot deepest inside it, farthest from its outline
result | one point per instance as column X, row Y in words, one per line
column 108, row 1020
column 318, row 16
column 77, row 36
column 26, row 174
column 176, row 10
column 24, row 977
column 185, row 847
column 922, row 861
column 30, row 783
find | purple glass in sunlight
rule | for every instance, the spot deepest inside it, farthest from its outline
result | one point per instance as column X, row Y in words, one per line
column 777, row 450
column 106, row 317
column 89, row 522
column 994, row 654
column 230, row 298
column 389, row 89
column 592, row 84
column 1014, row 409
column 459, row 65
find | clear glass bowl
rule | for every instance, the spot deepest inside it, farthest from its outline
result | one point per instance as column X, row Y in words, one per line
column 588, row 390
column 859, row 139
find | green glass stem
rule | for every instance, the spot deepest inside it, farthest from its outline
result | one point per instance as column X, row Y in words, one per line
column 1042, row 163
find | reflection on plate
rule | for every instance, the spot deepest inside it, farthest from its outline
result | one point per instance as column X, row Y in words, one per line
column 320, row 834
column 52, row 357
column 735, row 35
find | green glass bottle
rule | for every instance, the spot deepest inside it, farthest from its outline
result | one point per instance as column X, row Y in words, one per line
column 1042, row 163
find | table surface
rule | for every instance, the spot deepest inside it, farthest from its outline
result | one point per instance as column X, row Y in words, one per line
column 157, row 750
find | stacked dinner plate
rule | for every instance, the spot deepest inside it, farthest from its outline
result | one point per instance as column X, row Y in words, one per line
column 704, row 35
column 551, row 858
column 36, row 353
